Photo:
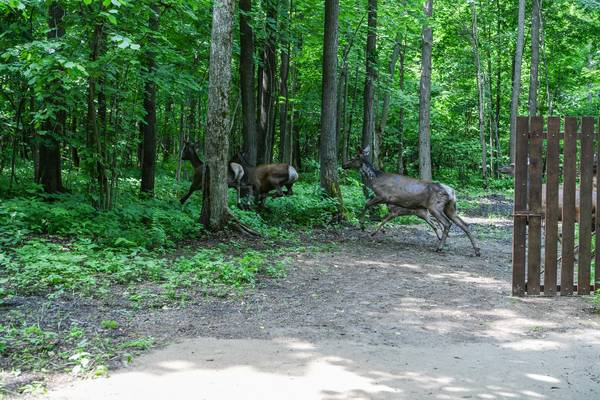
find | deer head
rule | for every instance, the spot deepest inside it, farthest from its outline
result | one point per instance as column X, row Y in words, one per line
column 357, row 161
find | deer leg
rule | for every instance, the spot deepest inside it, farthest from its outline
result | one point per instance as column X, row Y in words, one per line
column 187, row 196
column 424, row 215
column 445, row 222
column 391, row 215
column 289, row 189
column 461, row 224
column 372, row 202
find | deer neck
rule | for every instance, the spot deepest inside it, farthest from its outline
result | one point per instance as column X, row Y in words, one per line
column 195, row 160
column 368, row 172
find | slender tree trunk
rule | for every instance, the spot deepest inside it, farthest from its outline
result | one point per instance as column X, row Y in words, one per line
column 328, row 147
column 516, row 80
column 425, row 98
column 401, row 113
column 49, row 174
column 480, row 91
column 535, row 57
column 351, row 116
column 149, row 124
column 167, row 134
column 215, row 214
column 247, row 82
column 386, row 96
column 283, row 81
column 267, row 98
column 498, row 81
column 370, row 77
column 181, row 139
column 295, row 115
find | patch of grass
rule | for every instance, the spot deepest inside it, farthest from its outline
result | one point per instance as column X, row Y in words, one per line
column 109, row 324
column 138, row 344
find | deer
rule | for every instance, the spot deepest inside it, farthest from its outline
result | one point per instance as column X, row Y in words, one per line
column 261, row 179
column 235, row 172
column 410, row 194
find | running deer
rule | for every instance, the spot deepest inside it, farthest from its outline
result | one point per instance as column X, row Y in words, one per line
column 235, row 172
column 410, row 194
column 261, row 179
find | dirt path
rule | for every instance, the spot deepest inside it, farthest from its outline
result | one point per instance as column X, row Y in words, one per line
column 383, row 318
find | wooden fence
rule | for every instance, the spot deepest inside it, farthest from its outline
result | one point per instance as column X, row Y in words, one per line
column 560, row 152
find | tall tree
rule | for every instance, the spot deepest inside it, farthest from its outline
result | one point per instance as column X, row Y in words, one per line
column 214, row 213
column 267, row 82
column 53, row 127
column 379, row 132
column 284, row 139
column 401, row 112
column 425, row 97
column 148, row 126
column 480, row 89
column 328, row 149
column 247, row 82
column 516, row 79
column 370, row 77
column 535, row 56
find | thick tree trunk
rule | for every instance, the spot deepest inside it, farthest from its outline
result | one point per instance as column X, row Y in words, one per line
column 535, row 57
column 386, row 96
column 215, row 214
column 149, row 124
column 267, row 95
column 516, row 79
column 328, row 146
column 425, row 98
column 49, row 172
column 283, row 82
column 370, row 77
column 247, row 82
column 480, row 91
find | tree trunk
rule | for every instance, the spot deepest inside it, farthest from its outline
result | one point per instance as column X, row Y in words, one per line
column 215, row 214
column 96, row 164
column 283, row 82
column 49, row 173
column 149, row 124
column 425, row 98
column 535, row 57
column 328, row 145
column 401, row 113
column 247, row 82
column 516, row 84
column 181, row 139
column 351, row 116
column 370, row 77
column 480, row 90
column 387, row 92
column 267, row 98
column 167, row 134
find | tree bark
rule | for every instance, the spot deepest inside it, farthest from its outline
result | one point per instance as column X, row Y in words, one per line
column 215, row 213
column 283, row 82
column 425, row 98
column 386, row 96
column 535, row 57
column 328, row 145
column 401, row 114
column 370, row 77
column 49, row 172
column 149, row 124
column 516, row 79
column 480, row 91
column 267, row 98
column 247, row 82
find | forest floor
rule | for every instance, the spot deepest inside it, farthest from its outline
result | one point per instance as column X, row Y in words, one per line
column 367, row 318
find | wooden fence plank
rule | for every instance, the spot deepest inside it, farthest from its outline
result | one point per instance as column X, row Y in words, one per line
column 520, row 205
column 585, row 199
column 551, row 223
column 597, row 258
column 534, row 239
column 568, row 212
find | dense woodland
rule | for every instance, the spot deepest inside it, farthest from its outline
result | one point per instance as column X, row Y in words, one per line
column 98, row 100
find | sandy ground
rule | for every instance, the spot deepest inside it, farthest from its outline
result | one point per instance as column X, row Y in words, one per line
column 374, row 318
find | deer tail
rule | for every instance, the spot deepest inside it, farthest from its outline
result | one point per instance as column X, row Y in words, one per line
column 292, row 174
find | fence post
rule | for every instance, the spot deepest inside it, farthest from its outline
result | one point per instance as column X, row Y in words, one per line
column 568, row 220
column 534, row 239
column 552, row 212
column 585, row 203
column 520, row 218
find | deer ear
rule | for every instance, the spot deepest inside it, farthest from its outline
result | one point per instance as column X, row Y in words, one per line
column 367, row 150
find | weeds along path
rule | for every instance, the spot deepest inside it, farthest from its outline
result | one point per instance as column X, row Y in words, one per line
column 382, row 318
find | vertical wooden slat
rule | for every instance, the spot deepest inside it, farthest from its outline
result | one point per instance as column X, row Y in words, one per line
column 568, row 212
column 552, row 211
column 585, row 202
column 520, row 205
column 534, row 237
column 597, row 269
